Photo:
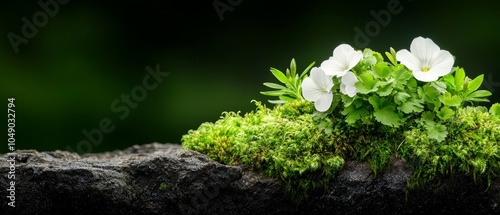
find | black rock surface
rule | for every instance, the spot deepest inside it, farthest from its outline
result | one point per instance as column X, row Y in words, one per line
column 167, row 179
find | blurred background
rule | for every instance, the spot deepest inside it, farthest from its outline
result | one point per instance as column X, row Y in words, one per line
column 72, row 76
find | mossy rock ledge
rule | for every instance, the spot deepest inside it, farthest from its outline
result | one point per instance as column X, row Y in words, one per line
column 168, row 179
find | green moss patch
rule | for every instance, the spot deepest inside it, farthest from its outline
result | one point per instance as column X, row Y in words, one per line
column 289, row 142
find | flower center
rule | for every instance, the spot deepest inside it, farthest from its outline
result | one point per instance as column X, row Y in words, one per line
column 425, row 69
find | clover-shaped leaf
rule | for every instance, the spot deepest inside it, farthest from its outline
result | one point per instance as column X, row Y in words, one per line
column 367, row 83
column 436, row 131
column 385, row 111
column 495, row 109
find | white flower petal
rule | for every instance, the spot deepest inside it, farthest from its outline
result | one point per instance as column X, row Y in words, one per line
column 342, row 88
column 346, row 56
column 424, row 49
column 332, row 68
column 344, row 59
column 351, row 91
column 426, row 60
column 442, row 64
column 348, row 90
column 310, row 91
column 321, row 79
column 324, row 102
column 349, row 79
column 317, row 89
column 409, row 60
column 425, row 76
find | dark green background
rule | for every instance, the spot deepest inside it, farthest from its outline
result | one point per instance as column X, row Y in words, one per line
column 65, row 79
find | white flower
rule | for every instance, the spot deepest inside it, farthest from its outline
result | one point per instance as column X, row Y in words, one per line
column 318, row 89
column 347, row 86
column 427, row 61
column 344, row 59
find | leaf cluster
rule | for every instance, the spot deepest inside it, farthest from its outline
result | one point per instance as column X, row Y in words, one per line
column 290, row 88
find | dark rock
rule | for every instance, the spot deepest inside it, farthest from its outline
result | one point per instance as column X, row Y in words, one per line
column 166, row 179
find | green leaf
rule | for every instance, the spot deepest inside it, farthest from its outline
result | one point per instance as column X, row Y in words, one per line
column 430, row 94
column 368, row 56
column 401, row 77
column 375, row 101
column 413, row 105
column 306, row 70
column 475, row 84
column 439, row 86
column 495, row 109
column 411, row 85
column 436, row 131
column 450, row 100
column 274, row 86
column 459, row 79
column 366, row 84
column 445, row 113
column 293, row 67
column 276, row 101
column 279, row 75
column 385, row 112
column 479, row 93
column 382, row 70
column 388, row 116
column 449, row 80
column 287, row 98
column 401, row 97
column 428, row 116
column 477, row 99
column 385, row 90
column 482, row 109
column 273, row 93
column 392, row 56
column 353, row 114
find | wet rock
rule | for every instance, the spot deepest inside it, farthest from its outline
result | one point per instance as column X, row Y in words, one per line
column 167, row 179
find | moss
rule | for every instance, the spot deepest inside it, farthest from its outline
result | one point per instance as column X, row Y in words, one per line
column 283, row 142
column 305, row 151
column 163, row 186
column 472, row 147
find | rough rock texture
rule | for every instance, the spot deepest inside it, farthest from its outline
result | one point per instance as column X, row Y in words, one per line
column 165, row 179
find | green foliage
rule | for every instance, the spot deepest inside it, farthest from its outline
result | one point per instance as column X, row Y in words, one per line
column 305, row 149
column 390, row 115
column 463, row 89
column 394, row 96
column 292, row 89
column 495, row 109
column 472, row 147
column 283, row 142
